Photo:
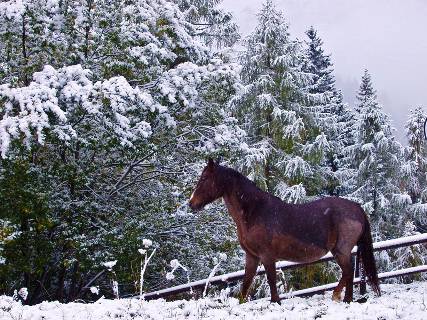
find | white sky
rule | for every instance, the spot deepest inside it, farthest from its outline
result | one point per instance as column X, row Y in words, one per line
column 388, row 37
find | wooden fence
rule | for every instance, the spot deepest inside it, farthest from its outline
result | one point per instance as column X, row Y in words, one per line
column 285, row 265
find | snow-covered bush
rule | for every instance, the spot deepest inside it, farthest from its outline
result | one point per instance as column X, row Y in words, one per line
column 105, row 109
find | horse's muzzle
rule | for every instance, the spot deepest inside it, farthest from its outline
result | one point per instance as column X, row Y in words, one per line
column 194, row 206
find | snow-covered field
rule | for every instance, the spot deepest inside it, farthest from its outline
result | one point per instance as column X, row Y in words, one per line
column 397, row 302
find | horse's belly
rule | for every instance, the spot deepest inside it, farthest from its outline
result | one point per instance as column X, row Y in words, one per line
column 289, row 248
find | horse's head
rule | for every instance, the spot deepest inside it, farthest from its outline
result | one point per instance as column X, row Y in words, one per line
column 208, row 188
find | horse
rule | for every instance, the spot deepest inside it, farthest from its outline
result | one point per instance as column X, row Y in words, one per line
column 269, row 229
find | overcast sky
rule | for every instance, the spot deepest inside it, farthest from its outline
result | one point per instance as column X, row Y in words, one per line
column 388, row 37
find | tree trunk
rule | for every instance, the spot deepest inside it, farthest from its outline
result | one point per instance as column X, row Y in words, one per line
column 74, row 279
column 24, row 51
column 61, row 282
column 35, row 297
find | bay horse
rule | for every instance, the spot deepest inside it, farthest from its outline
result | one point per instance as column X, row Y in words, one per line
column 269, row 229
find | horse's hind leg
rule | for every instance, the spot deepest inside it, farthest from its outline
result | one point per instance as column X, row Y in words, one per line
column 270, row 269
column 250, row 271
column 349, row 232
column 344, row 261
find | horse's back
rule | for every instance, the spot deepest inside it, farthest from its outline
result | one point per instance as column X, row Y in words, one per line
column 326, row 221
column 344, row 208
column 347, row 222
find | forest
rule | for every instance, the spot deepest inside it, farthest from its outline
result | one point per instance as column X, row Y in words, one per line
column 110, row 109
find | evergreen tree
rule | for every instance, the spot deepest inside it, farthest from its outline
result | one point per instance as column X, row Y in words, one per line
column 213, row 25
column 342, row 138
column 417, row 154
column 285, row 151
column 103, row 140
column 376, row 157
column 332, row 116
column 415, row 166
column 319, row 64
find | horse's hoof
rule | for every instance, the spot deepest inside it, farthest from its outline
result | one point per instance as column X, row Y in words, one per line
column 336, row 296
column 347, row 300
column 241, row 299
column 276, row 301
column 362, row 299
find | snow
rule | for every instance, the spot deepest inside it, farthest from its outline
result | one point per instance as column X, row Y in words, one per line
column 94, row 290
column 110, row 264
column 403, row 301
column 222, row 256
column 174, row 263
column 170, row 276
column 291, row 194
column 13, row 9
column 147, row 243
column 296, row 167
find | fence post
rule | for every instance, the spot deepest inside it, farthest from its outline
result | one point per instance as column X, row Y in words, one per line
column 362, row 278
column 360, row 272
column 356, row 266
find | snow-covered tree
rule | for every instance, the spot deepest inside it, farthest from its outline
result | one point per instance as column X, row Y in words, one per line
column 410, row 256
column 213, row 25
column 103, row 139
column 332, row 116
column 28, row 38
column 319, row 64
column 416, row 154
column 376, row 157
column 415, row 166
column 285, row 147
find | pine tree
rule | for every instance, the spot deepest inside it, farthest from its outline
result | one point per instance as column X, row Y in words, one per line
column 319, row 64
column 417, row 153
column 103, row 140
column 376, row 157
column 343, row 137
column 213, row 25
column 411, row 256
column 284, row 149
column 332, row 115
column 415, row 166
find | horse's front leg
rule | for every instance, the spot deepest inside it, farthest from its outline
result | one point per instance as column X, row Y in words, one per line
column 250, row 271
column 270, row 269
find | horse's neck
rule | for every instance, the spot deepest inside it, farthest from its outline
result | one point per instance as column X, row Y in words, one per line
column 239, row 200
column 236, row 210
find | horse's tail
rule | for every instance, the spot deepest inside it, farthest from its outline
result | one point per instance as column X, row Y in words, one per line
column 366, row 251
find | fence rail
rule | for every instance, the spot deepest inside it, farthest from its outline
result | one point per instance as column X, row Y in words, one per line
column 237, row 275
column 331, row 286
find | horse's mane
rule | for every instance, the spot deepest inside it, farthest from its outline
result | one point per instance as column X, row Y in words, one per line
column 247, row 186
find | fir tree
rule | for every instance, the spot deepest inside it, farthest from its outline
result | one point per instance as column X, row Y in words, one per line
column 415, row 166
column 319, row 64
column 332, row 116
column 376, row 157
column 284, row 151
column 103, row 139
column 213, row 25
column 342, row 138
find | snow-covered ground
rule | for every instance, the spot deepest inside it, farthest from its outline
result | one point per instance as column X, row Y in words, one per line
column 397, row 302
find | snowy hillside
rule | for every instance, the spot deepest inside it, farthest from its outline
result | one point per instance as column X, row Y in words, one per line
column 397, row 302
